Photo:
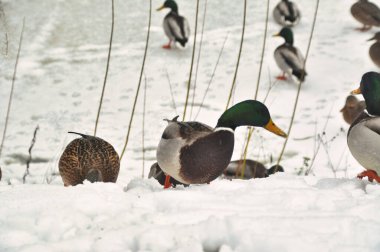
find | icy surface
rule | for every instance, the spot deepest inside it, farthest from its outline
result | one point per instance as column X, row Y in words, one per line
column 61, row 70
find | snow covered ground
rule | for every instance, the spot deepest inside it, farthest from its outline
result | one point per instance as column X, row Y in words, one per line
column 60, row 74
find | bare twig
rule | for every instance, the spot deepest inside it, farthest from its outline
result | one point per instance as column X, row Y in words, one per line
column 171, row 91
column 239, row 55
column 212, row 76
column 5, row 24
column 317, row 146
column 12, row 88
column 107, row 67
column 139, row 84
column 198, row 59
column 299, row 85
column 30, row 155
column 192, row 63
column 143, row 129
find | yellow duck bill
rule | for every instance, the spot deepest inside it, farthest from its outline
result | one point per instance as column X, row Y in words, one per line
column 356, row 91
column 274, row 129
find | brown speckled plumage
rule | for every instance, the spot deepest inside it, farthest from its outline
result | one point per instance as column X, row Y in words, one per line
column 366, row 13
column 89, row 158
column 352, row 109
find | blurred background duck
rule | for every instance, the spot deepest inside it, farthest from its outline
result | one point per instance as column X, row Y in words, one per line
column 352, row 109
column 194, row 153
column 374, row 50
column 89, row 158
column 366, row 13
column 289, row 58
column 363, row 137
column 253, row 169
column 286, row 13
column 176, row 27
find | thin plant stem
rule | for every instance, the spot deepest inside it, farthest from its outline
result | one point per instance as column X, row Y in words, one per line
column 239, row 55
column 257, row 87
column 107, row 67
column 139, row 84
column 12, row 88
column 212, row 76
column 198, row 59
column 30, row 155
column 192, row 62
column 171, row 91
column 143, row 128
column 299, row 85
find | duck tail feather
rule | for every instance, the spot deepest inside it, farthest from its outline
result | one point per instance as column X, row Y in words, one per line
column 94, row 175
column 274, row 169
column 300, row 74
column 80, row 134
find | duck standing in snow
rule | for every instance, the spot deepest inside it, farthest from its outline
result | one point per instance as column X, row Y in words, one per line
column 352, row 109
column 289, row 58
column 89, row 158
column 374, row 50
column 286, row 13
column 194, row 153
column 176, row 27
column 363, row 137
column 158, row 174
column 253, row 169
column 366, row 13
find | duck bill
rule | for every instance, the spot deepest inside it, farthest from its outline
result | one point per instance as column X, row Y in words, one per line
column 160, row 8
column 356, row 91
column 274, row 129
column 276, row 35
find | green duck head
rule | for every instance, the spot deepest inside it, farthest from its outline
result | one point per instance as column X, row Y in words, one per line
column 249, row 113
column 370, row 89
column 169, row 4
column 287, row 34
column 375, row 37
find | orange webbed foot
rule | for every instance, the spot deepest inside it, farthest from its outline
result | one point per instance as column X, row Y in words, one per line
column 371, row 174
column 167, row 182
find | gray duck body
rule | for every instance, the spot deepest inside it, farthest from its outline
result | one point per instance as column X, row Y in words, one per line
column 366, row 13
column 363, row 140
column 254, row 169
column 194, row 153
column 176, row 28
column 286, row 13
column 89, row 158
column 290, row 60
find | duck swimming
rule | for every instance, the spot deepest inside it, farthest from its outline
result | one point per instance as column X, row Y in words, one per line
column 194, row 153
column 89, row 158
column 289, row 58
column 286, row 13
column 366, row 13
column 352, row 109
column 176, row 27
column 363, row 137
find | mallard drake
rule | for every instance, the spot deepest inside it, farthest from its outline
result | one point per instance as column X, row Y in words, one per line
column 194, row 153
column 352, row 109
column 374, row 50
column 286, row 13
column 176, row 27
column 89, row 158
column 366, row 13
column 253, row 169
column 158, row 174
column 289, row 58
column 363, row 137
